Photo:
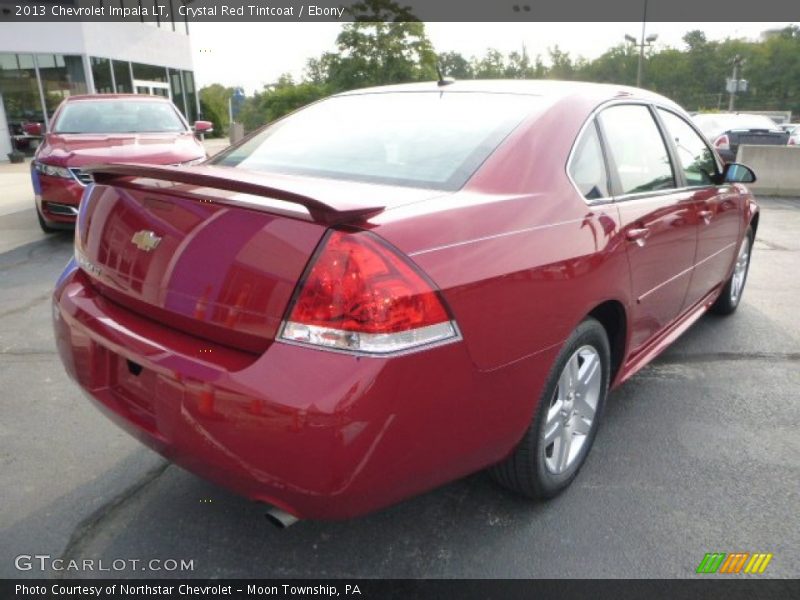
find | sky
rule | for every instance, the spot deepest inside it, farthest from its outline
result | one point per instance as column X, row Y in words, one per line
column 254, row 54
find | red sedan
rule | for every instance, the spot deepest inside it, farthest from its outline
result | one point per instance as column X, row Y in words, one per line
column 105, row 128
column 395, row 287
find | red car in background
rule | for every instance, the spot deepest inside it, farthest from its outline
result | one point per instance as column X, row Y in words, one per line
column 396, row 287
column 100, row 129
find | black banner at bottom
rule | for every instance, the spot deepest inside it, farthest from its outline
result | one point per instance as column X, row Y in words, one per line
column 450, row 589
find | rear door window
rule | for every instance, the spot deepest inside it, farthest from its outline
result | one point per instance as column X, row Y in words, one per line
column 636, row 149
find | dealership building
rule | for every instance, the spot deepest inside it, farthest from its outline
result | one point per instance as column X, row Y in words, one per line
column 43, row 63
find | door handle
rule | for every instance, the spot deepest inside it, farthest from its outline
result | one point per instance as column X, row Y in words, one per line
column 705, row 214
column 637, row 234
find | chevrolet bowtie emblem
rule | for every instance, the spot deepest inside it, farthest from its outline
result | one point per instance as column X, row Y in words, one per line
column 145, row 240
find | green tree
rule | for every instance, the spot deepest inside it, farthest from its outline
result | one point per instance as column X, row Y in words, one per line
column 214, row 106
column 455, row 65
column 561, row 65
column 385, row 44
column 491, row 66
column 278, row 100
column 615, row 65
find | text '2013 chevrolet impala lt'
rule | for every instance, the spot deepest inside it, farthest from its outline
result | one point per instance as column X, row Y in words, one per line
column 395, row 287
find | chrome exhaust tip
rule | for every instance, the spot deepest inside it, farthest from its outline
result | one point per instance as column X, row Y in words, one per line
column 280, row 518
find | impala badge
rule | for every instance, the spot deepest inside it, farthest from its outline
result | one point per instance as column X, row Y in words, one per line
column 145, row 240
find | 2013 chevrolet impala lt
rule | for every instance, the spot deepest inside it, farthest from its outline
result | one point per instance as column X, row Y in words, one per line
column 395, row 287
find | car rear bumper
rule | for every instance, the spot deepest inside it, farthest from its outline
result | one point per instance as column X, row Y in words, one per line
column 319, row 434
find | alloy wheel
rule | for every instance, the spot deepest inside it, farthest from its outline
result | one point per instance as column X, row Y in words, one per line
column 740, row 270
column 572, row 410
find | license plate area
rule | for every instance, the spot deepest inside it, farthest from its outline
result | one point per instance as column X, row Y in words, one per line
column 134, row 387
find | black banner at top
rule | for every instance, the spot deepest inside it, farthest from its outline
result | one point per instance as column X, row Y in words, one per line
column 387, row 10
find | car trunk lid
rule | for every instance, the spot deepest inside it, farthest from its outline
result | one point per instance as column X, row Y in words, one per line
column 212, row 251
column 759, row 137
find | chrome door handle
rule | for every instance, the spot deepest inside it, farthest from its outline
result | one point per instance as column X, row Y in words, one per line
column 637, row 235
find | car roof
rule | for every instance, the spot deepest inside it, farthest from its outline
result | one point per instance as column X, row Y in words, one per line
column 553, row 89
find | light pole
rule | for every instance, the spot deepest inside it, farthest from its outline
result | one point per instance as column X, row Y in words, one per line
column 645, row 41
column 734, row 86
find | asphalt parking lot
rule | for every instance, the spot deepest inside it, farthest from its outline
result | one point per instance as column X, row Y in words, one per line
column 698, row 453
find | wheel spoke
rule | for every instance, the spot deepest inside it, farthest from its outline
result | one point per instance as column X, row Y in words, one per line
column 581, row 425
column 589, row 370
column 584, row 407
column 562, row 461
column 553, row 431
column 571, row 371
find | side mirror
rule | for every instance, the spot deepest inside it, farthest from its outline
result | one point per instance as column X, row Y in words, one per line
column 33, row 129
column 203, row 127
column 738, row 173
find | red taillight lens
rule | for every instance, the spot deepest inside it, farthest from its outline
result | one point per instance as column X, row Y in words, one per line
column 722, row 142
column 361, row 295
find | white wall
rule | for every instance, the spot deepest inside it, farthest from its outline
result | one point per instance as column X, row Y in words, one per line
column 124, row 41
column 777, row 169
column 138, row 42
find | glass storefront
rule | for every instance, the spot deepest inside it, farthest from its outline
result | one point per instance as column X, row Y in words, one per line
column 19, row 90
column 122, row 76
column 31, row 84
column 178, row 96
column 149, row 72
column 61, row 76
column 191, row 97
column 101, row 74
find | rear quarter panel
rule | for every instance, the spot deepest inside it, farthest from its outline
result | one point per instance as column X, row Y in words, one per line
column 518, row 254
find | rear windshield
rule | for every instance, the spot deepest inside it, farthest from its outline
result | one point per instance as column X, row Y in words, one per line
column 118, row 116
column 420, row 139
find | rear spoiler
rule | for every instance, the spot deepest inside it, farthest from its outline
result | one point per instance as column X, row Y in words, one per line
column 234, row 180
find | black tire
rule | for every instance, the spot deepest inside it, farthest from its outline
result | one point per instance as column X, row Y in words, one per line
column 43, row 224
column 728, row 302
column 526, row 471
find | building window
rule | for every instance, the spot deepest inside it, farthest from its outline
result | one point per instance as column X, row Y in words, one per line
column 178, row 96
column 149, row 72
column 191, row 98
column 20, row 95
column 62, row 76
column 122, row 77
column 101, row 73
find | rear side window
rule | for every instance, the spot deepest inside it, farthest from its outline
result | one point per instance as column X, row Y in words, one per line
column 697, row 160
column 420, row 139
column 588, row 168
column 636, row 149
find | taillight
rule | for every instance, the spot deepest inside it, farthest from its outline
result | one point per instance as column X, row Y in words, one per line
column 722, row 142
column 361, row 295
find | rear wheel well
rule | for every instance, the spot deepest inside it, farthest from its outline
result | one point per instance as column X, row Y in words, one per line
column 611, row 315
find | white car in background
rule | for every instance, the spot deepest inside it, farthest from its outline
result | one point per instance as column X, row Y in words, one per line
column 728, row 130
